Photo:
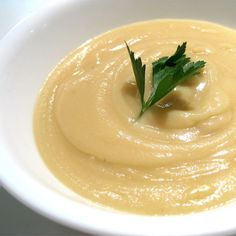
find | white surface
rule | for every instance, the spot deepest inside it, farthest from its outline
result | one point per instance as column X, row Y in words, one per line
column 32, row 49
column 12, row 11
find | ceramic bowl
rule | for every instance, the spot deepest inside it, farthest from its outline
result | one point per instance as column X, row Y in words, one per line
column 27, row 54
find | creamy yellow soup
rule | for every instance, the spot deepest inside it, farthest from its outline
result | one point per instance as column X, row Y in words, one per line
column 179, row 157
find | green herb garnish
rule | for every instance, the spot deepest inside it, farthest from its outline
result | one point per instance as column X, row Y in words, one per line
column 167, row 72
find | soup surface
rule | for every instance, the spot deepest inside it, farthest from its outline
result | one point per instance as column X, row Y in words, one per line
column 179, row 157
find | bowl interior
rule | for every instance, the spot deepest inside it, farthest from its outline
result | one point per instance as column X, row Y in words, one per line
column 27, row 54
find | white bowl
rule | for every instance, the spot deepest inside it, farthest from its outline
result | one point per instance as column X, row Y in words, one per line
column 27, row 54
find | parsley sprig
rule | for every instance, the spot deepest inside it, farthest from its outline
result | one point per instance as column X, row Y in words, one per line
column 167, row 73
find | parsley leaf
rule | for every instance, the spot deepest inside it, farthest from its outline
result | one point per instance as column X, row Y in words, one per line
column 139, row 72
column 167, row 72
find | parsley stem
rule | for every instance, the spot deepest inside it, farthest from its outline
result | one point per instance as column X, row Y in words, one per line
column 143, row 109
column 140, row 114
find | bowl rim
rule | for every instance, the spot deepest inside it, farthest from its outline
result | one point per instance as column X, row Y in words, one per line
column 86, row 217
